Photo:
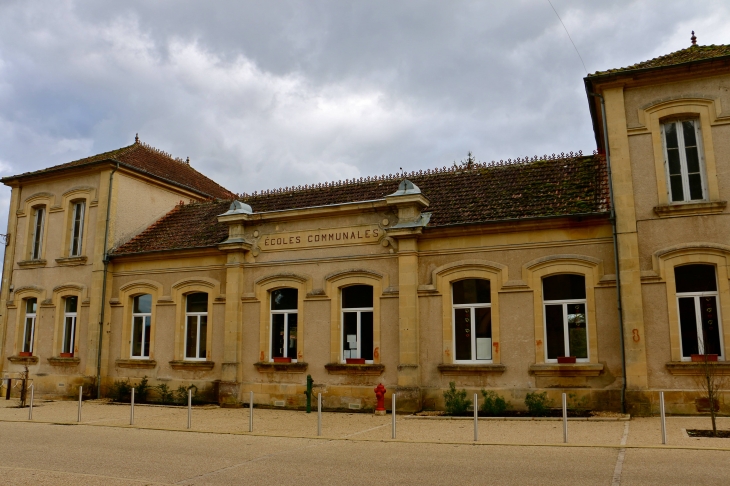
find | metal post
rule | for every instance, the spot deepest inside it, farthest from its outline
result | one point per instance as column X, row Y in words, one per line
column 476, row 415
column 30, row 410
column 392, row 410
column 319, row 414
column 80, row 391
column 250, row 413
column 131, row 410
column 565, row 419
column 664, row 418
column 190, row 407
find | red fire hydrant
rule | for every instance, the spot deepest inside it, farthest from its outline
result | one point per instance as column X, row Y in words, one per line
column 380, row 396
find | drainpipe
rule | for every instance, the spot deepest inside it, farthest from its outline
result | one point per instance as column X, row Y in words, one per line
column 103, row 285
column 615, row 253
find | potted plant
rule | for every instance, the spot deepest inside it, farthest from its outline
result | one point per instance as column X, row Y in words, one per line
column 355, row 360
column 701, row 357
column 566, row 359
column 282, row 360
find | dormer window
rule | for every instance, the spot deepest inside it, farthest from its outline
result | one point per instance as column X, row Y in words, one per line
column 684, row 161
column 77, row 228
column 36, row 251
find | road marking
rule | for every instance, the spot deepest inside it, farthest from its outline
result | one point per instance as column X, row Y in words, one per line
column 620, row 460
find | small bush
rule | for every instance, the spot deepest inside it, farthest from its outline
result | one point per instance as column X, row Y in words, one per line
column 181, row 394
column 166, row 395
column 141, row 390
column 538, row 404
column 456, row 401
column 494, row 404
column 578, row 405
column 121, row 391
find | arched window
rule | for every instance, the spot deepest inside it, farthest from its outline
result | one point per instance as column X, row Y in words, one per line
column 196, row 326
column 31, row 306
column 566, row 326
column 77, row 228
column 357, row 324
column 141, row 325
column 472, row 317
column 284, row 324
column 69, row 326
column 36, row 250
column 699, row 313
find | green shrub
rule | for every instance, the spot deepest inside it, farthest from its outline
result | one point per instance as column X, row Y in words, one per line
column 456, row 401
column 120, row 391
column 494, row 404
column 538, row 404
column 141, row 390
column 181, row 394
column 166, row 395
column 578, row 405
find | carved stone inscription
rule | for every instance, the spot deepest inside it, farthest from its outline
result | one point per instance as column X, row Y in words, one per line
column 356, row 235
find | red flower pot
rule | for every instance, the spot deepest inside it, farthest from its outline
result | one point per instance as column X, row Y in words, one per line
column 25, row 353
column 282, row 360
column 355, row 360
column 701, row 357
column 67, row 355
column 566, row 359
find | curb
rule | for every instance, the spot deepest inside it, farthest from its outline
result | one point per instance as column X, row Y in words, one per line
column 623, row 418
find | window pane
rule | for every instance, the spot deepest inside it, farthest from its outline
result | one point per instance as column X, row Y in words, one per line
column 30, row 306
column 197, row 302
column 357, row 296
column 366, row 335
column 564, row 287
column 675, row 184
column 462, row 333
column 483, row 332
column 38, row 234
column 28, row 335
column 695, row 278
column 76, row 230
column 577, row 334
column 68, row 335
column 688, row 326
column 554, row 331
column 191, row 337
column 203, row 345
column 710, row 325
column 675, row 167
column 349, row 335
column 693, row 160
column 147, row 329
column 143, row 304
column 688, row 130
column 71, row 304
column 670, row 133
column 472, row 291
column 137, row 329
column 292, row 341
column 277, row 335
column 695, row 187
column 284, row 299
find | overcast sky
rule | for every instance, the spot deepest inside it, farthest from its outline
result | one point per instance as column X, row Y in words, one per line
column 262, row 94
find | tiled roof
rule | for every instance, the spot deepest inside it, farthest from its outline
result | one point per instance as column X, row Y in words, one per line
column 691, row 54
column 143, row 158
column 522, row 189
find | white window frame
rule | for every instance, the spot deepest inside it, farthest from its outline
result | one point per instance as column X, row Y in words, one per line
column 31, row 316
column 683, row 160
column 566, row 334
column 286, row 313
column 472, row 319
column 72, row 315
column 698, row 322
column 36, row 250
column 144, row 315
column 359, row 311
column 78, row 210
column 198, row 315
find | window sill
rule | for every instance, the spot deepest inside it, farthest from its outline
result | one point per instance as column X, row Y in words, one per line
column 58, row 361
column 71, row 261
column 269, row 367
column 471, row 369
column 354, row 369
column 685, row 209
column 192, row 365
column 136, row 363
column 689, row 368
column 25, row 360
column 32, row 263
column 577, row 369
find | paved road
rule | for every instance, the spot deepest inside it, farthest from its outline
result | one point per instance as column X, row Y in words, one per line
column 81, row 454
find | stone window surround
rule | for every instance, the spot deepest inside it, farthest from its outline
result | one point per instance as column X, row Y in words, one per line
column 180, row 290
column 127, row 293
column 60, row 293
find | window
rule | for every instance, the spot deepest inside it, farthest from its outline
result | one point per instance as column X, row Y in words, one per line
column 141, row 324
column 37, row 239
column 472, row 315
column 566, row 330
column 77, row 229
column 31, row 306
column 699, row 317
column 196, row 322
column 683, row 160
column 357, row 324
column 69, row 326
column 284, row 325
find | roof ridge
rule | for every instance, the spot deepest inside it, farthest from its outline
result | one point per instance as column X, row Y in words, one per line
column 416, row 173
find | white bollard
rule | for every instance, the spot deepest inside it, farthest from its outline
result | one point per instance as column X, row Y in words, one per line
column 392, row 409
column 476, row 415
column 250, row 412
column 80, row 390
column 190, row 407
column 565, row 419
column 319, row 414
column 664, row 418
column 30, row 410
column 131, row 410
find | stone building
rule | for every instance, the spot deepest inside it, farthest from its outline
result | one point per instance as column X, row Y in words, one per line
column 499, row 276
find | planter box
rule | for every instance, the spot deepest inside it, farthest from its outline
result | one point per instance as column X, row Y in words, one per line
column 282, row 360
column 355, row 360
column 25, row 353
column 67, row 355
column 701, row 357
column 566, row 359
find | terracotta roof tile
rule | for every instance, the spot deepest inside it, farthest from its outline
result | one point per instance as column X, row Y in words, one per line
column 688, row 55
column 512, row 190
column 148, row 160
